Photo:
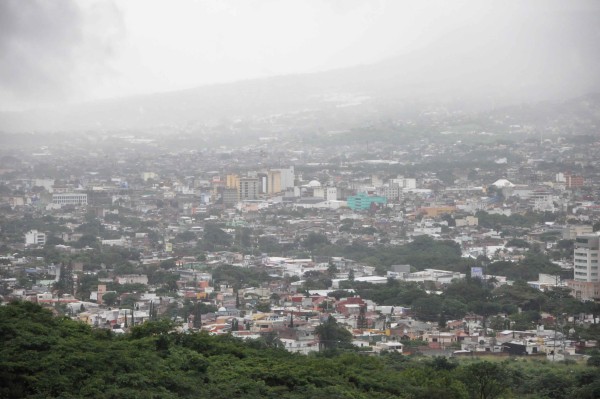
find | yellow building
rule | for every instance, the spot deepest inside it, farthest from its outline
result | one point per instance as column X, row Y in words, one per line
column 274, row 182
column 435, row 211
column 233, row 181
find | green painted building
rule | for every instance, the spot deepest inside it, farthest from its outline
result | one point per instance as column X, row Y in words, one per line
column 363, row 201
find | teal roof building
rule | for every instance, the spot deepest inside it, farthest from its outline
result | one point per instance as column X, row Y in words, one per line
column 363, row 201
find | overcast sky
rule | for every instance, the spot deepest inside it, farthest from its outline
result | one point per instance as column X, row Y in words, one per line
column 57, row 51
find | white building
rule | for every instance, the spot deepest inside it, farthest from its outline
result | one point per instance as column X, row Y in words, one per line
column 327, row 193
column 587, row 252
column 390, row 191
column 586, row 282
column 287, row 177
column 405, row 183
column 120, row 242
column 133, row 279
column 441, row 276
column 467, row 221
column 545, row 282
column 34, row 237
column 388, row 347
column 70, row 199
column 300, row 346
column 319, row 192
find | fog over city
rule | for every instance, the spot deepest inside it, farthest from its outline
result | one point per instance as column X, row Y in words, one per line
column 217, row 199
column 55, row 55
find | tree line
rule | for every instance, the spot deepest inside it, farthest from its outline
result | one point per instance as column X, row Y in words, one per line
column 43, row 356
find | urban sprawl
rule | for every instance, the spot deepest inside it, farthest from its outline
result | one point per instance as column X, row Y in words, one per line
column 454, row 243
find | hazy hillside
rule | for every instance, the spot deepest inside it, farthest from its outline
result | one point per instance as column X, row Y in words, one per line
column 435, row 75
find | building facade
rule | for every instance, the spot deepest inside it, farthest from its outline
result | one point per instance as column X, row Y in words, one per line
column 587, row 251
column 586, row 282
column 363, row 201
column 572, row 181
column 34, row 237
column 248, row 188
column 274, row 182
column 287, row 177
column 232, row 181
column 390, row 191
column 573, row 231
column 70, row 199
column 230, row 196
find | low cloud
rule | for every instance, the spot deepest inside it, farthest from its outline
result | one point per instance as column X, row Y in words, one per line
column 51, row 50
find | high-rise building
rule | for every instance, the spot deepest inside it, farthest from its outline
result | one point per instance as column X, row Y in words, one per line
column 263, row 187
column 391, row 191
column 248, row 188
column 288, row 177
column 573, row 181
column 587, row 251
column 586, row 281
column 230, row 196
column 274, row 182
column 232, row 181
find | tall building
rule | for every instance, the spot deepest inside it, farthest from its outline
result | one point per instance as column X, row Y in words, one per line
column 288, row 177
column 391, row 191
column 587, row 251
column 230, row 196
column 573, row 181
column 586, row 282
column 274, row 182
column 232, row 181
column 263, row 187
column 248, row 188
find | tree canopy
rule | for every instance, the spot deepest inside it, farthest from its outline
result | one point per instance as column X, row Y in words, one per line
column 43, row 356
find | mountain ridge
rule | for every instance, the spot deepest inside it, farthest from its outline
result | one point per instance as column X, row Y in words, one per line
column 446, row 78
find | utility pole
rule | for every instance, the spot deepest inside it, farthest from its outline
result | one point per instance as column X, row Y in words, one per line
column 554, row 343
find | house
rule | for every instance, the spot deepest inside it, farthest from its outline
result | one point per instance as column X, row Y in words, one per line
column 438, row 339
column 521, row 348
column 388, row 347
column 133, row 279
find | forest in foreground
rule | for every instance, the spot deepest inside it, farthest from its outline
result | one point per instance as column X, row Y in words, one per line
column 43, row 356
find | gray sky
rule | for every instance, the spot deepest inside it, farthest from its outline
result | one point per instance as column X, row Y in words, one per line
column 59, row 51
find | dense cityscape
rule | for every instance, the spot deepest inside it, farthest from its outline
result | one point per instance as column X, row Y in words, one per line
column 459, row 242
column 319, row 200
